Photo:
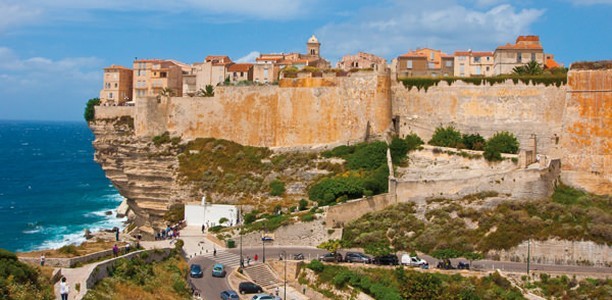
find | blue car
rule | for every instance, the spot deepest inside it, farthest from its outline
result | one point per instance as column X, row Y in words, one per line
column 218, row 270
column 229, row 295
column 195, row 271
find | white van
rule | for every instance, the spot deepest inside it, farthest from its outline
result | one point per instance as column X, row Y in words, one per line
column 413, row 261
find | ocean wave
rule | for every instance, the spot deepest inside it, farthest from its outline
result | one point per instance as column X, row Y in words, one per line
column 75, row 235
column 101, row 213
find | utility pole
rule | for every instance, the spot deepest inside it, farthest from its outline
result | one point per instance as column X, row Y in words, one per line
column 528, row 255
column 285, row 258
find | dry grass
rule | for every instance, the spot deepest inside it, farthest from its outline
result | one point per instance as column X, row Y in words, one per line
column 83, row 249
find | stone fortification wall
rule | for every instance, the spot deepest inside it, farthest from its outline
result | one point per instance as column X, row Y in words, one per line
column 112, row 112
column 305, row 111
column 518, row 108
column 341, row 214
column 558, row 252
column 587, row 131
column 443, row 178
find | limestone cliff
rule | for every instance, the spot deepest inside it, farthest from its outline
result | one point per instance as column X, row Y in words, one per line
column 143, row 173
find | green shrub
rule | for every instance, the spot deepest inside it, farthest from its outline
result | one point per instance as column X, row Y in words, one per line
column 500, row 142
column 90, row 110
column 164, row 138
column 175, row 213
column 230, row 244
column 473, row 141
column 446, row 137
column 277, row 187
column 302, row 204
column 368, row 156
column 413, row 141
column 327, row 190
column 340, row 151
column 68, row 249
column 216, row 229
column 316, row 266
column 399, row 149
column 250, row 217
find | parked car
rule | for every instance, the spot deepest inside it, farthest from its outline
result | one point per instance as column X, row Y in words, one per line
column 463, row 266
column 247, row 287
column 195, row 271
column 445, row 264
column 229, row 295
column 218, row 270
column 331, row 257
column 390, row 259
column 413, row 261
column 265, row 297
column 357, row 257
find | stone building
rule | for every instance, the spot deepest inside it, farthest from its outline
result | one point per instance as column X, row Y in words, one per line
column 240, row 72
column 525, row 49
column 213, row 71
column 425, row 62
column 151, row 76
column 117, row 85
column 473, row 64
column 361, row 60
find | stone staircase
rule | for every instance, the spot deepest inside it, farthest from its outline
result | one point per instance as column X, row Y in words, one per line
column 263, row 275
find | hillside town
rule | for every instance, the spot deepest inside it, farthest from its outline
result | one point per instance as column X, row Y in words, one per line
column 152, row 77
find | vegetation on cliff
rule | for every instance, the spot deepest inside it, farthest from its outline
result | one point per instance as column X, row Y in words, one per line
column 401, row 283
column 136, row 279
column 21, row 281
column 453, row 225
column 90, row 111
column 426, row 82
column 500, row 142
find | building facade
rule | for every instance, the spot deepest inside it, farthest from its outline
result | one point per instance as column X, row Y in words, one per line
column 361, row 60
column 152, row 76
column 240, row 72
column 525, row 49
column 117, row 86
column 425, row 62
column 473, row 63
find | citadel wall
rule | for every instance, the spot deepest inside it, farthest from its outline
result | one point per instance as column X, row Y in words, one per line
column 299, row 112
column 518, row 108
column 586, row 139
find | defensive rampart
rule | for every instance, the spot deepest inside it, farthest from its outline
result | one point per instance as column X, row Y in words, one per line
column 518, row 108
column 298, row 112
column 587, row 131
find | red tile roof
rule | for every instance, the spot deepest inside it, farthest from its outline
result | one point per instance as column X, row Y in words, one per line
column 219, row 58
column 240, row 67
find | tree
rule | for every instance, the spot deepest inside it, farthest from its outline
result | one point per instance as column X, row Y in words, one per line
column 90, row 109
column 446, row 137
column 473, row 141
column 166, row 92
column 277, row 187
column 501, row 142
column 377, row 249
column 331, row 245
column 531, row 68
column 399, row 148
column 209, row 91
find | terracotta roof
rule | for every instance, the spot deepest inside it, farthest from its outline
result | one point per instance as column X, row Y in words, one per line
column 550, row 62
column 473, row 53
column 487, row 53
column 524, row 46
column 527, row 38
column 240, row 67
column 444, row 55
column 462, row 53
column 116, row 67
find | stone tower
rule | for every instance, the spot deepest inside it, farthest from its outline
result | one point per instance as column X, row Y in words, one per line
column 313, row 46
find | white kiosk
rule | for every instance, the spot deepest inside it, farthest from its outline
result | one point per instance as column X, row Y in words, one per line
column 198, row 214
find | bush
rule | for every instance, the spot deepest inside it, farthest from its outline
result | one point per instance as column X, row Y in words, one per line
column 164, row 138
column 175, row 213
column 340, row 151
column 277, row 187
column 368, row 156
column 446, row 137
column 413, row 141
column 250, row 217
column 230, row 244
column 473, row 141
column 399, row 149
column 316, row 266
column 89, row 114
column 501, row 142
column 68, row 249
column 302, row 204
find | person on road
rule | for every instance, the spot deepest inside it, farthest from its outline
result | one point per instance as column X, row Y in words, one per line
column 276, row 290
column 214, row 251
column 64, row 289
column 115, row 250
column 42, row 259
column 255, row 257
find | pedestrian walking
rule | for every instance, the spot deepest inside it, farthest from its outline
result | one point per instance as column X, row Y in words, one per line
column 203, row 228
column 117, row 234
column 276, row 291
column 115, row 250
column 248, row 260
column 214, row 251
column 64, row 289
column 255, row 257
column 42, row 259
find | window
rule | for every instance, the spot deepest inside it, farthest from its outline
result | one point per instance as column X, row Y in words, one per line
column 477, row 59
column 488, row 58
column 449, row 63
column 116, row 85
column 462, row 70
column 431, row 56
column 519, row 57
column 431, row 65
column 533, row 57
column 488, row 68
column 477, row 70
column 409, row 64
column 110, row 95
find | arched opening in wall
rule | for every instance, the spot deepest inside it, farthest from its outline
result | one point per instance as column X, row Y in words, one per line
column 396, row 124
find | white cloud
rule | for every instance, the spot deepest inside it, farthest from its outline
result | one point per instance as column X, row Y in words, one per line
column 445, row 24
column 15, row 14
column 249, row 57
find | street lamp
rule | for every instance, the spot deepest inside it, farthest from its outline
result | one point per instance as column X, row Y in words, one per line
column 285, row 258
column 263, row 245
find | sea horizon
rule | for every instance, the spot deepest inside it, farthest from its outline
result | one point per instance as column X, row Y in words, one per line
column 51, row 189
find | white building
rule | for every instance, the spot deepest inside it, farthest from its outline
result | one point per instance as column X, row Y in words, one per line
column 198, row 214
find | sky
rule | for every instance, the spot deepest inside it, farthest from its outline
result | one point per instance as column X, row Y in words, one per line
column 52, row 52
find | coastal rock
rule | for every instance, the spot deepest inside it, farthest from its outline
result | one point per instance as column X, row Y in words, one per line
column 123, row 209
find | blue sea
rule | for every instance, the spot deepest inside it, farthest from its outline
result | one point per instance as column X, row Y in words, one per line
column 51, row 189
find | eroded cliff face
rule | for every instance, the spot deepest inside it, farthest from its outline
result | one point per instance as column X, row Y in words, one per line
column 143, row 173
